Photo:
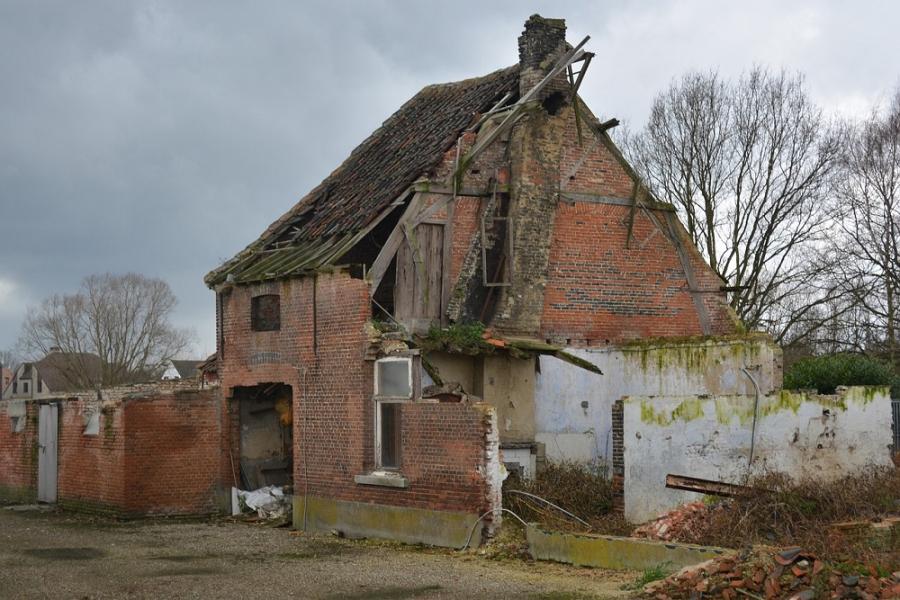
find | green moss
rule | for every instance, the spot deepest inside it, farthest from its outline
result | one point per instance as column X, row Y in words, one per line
column 688, row 409
column 459, row 338
column 694, row 356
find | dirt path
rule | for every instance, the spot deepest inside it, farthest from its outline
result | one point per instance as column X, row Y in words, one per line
column 60, row 555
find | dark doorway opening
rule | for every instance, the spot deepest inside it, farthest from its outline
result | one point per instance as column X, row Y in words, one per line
column 266, row 435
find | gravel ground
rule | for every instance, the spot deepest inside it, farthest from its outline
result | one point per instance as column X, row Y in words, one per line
column 60, row 555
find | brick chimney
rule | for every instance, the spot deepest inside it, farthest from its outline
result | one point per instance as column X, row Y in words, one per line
column 540, row 46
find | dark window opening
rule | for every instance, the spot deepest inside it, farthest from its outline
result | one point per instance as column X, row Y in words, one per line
column 554, row 102
column 265, row 313
column 389, row 425
column 497, row 246
column 15, row 387
column 40, row 386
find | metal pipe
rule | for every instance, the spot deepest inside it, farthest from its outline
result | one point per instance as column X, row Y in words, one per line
column 545, row 501
column 755, row 416
column 478, row 520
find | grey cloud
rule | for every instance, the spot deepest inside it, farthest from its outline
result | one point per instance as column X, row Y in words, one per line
column 162, row 137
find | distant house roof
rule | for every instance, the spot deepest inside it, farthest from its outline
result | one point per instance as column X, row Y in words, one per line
column 211, row 364
column 69, row 371
column 322, row 226
column 187, row 369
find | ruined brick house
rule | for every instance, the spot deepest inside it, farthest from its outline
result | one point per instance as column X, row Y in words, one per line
column 500, row 200
column 345, row 345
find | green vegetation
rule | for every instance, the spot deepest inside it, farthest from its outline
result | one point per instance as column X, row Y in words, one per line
column 826, row 373
column 464, row 338
column 650, row 575
column 583, row 490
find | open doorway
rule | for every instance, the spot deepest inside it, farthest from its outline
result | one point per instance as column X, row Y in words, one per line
column 266, row 435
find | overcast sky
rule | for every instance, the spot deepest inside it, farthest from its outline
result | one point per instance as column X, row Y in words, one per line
column 163, row 136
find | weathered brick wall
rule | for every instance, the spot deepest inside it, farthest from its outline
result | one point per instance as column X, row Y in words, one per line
column 173, row 453
column 599, row 291
column 91, row 472
column 321, row 352
column 18, row 456
column 158, row 450
column 574, row 279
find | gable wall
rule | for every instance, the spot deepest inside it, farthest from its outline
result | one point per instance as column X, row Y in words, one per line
column 575, row 281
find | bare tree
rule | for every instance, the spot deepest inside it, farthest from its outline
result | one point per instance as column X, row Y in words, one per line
column 747, row 164
column 10, row 358
column 868, row 211
column 123, row 319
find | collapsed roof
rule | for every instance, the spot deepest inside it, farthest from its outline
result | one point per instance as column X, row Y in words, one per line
column 370, row 183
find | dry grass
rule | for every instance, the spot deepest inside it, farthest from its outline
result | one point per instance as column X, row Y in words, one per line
column 583, row 490
column 788, row 513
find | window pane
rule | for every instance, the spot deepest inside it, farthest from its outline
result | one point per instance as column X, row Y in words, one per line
column 390, row 435
column 393, row 378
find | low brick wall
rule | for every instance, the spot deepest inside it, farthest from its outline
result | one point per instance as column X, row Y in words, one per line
column 154, row 450
column 18, row 452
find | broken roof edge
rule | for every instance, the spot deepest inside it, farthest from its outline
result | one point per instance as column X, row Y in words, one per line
column 442, row 340
column 307, row 202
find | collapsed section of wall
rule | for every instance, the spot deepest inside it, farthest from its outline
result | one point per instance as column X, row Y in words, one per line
column 820, row 437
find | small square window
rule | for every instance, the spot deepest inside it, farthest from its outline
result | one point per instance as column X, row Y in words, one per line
column 265, row 313
column 393, row 378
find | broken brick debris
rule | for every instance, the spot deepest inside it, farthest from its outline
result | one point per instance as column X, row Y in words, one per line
column 788, row 574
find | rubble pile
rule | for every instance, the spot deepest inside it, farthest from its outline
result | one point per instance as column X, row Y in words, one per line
column 676, row 525
column 791, row 574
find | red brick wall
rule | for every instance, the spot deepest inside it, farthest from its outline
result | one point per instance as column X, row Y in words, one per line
column 91, row 472
column 173, row 453
column 594, row 290
column 18, row 457
column 598, row 291
column 157, row 452
column 442, row 444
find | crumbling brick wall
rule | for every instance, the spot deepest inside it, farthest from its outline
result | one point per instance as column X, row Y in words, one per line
column 320, row 351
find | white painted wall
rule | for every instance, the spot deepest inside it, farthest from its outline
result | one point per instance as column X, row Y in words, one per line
column 573, row 406
column 805, row 436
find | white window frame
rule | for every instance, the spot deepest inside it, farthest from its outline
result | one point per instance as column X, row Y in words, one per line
column 415, row 381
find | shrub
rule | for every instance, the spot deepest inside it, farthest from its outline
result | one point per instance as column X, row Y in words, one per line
column 583, row 490
column 786, row 512
column 826, row 373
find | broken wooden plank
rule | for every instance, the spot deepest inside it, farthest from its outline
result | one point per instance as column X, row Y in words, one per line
column 392, row 244
column 568, row 58
column 706, row 486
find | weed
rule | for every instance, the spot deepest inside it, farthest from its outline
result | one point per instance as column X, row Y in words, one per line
column 583, row 490
column 649, row 575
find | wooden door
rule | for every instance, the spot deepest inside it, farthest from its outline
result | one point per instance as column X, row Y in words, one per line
column 418, row 288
